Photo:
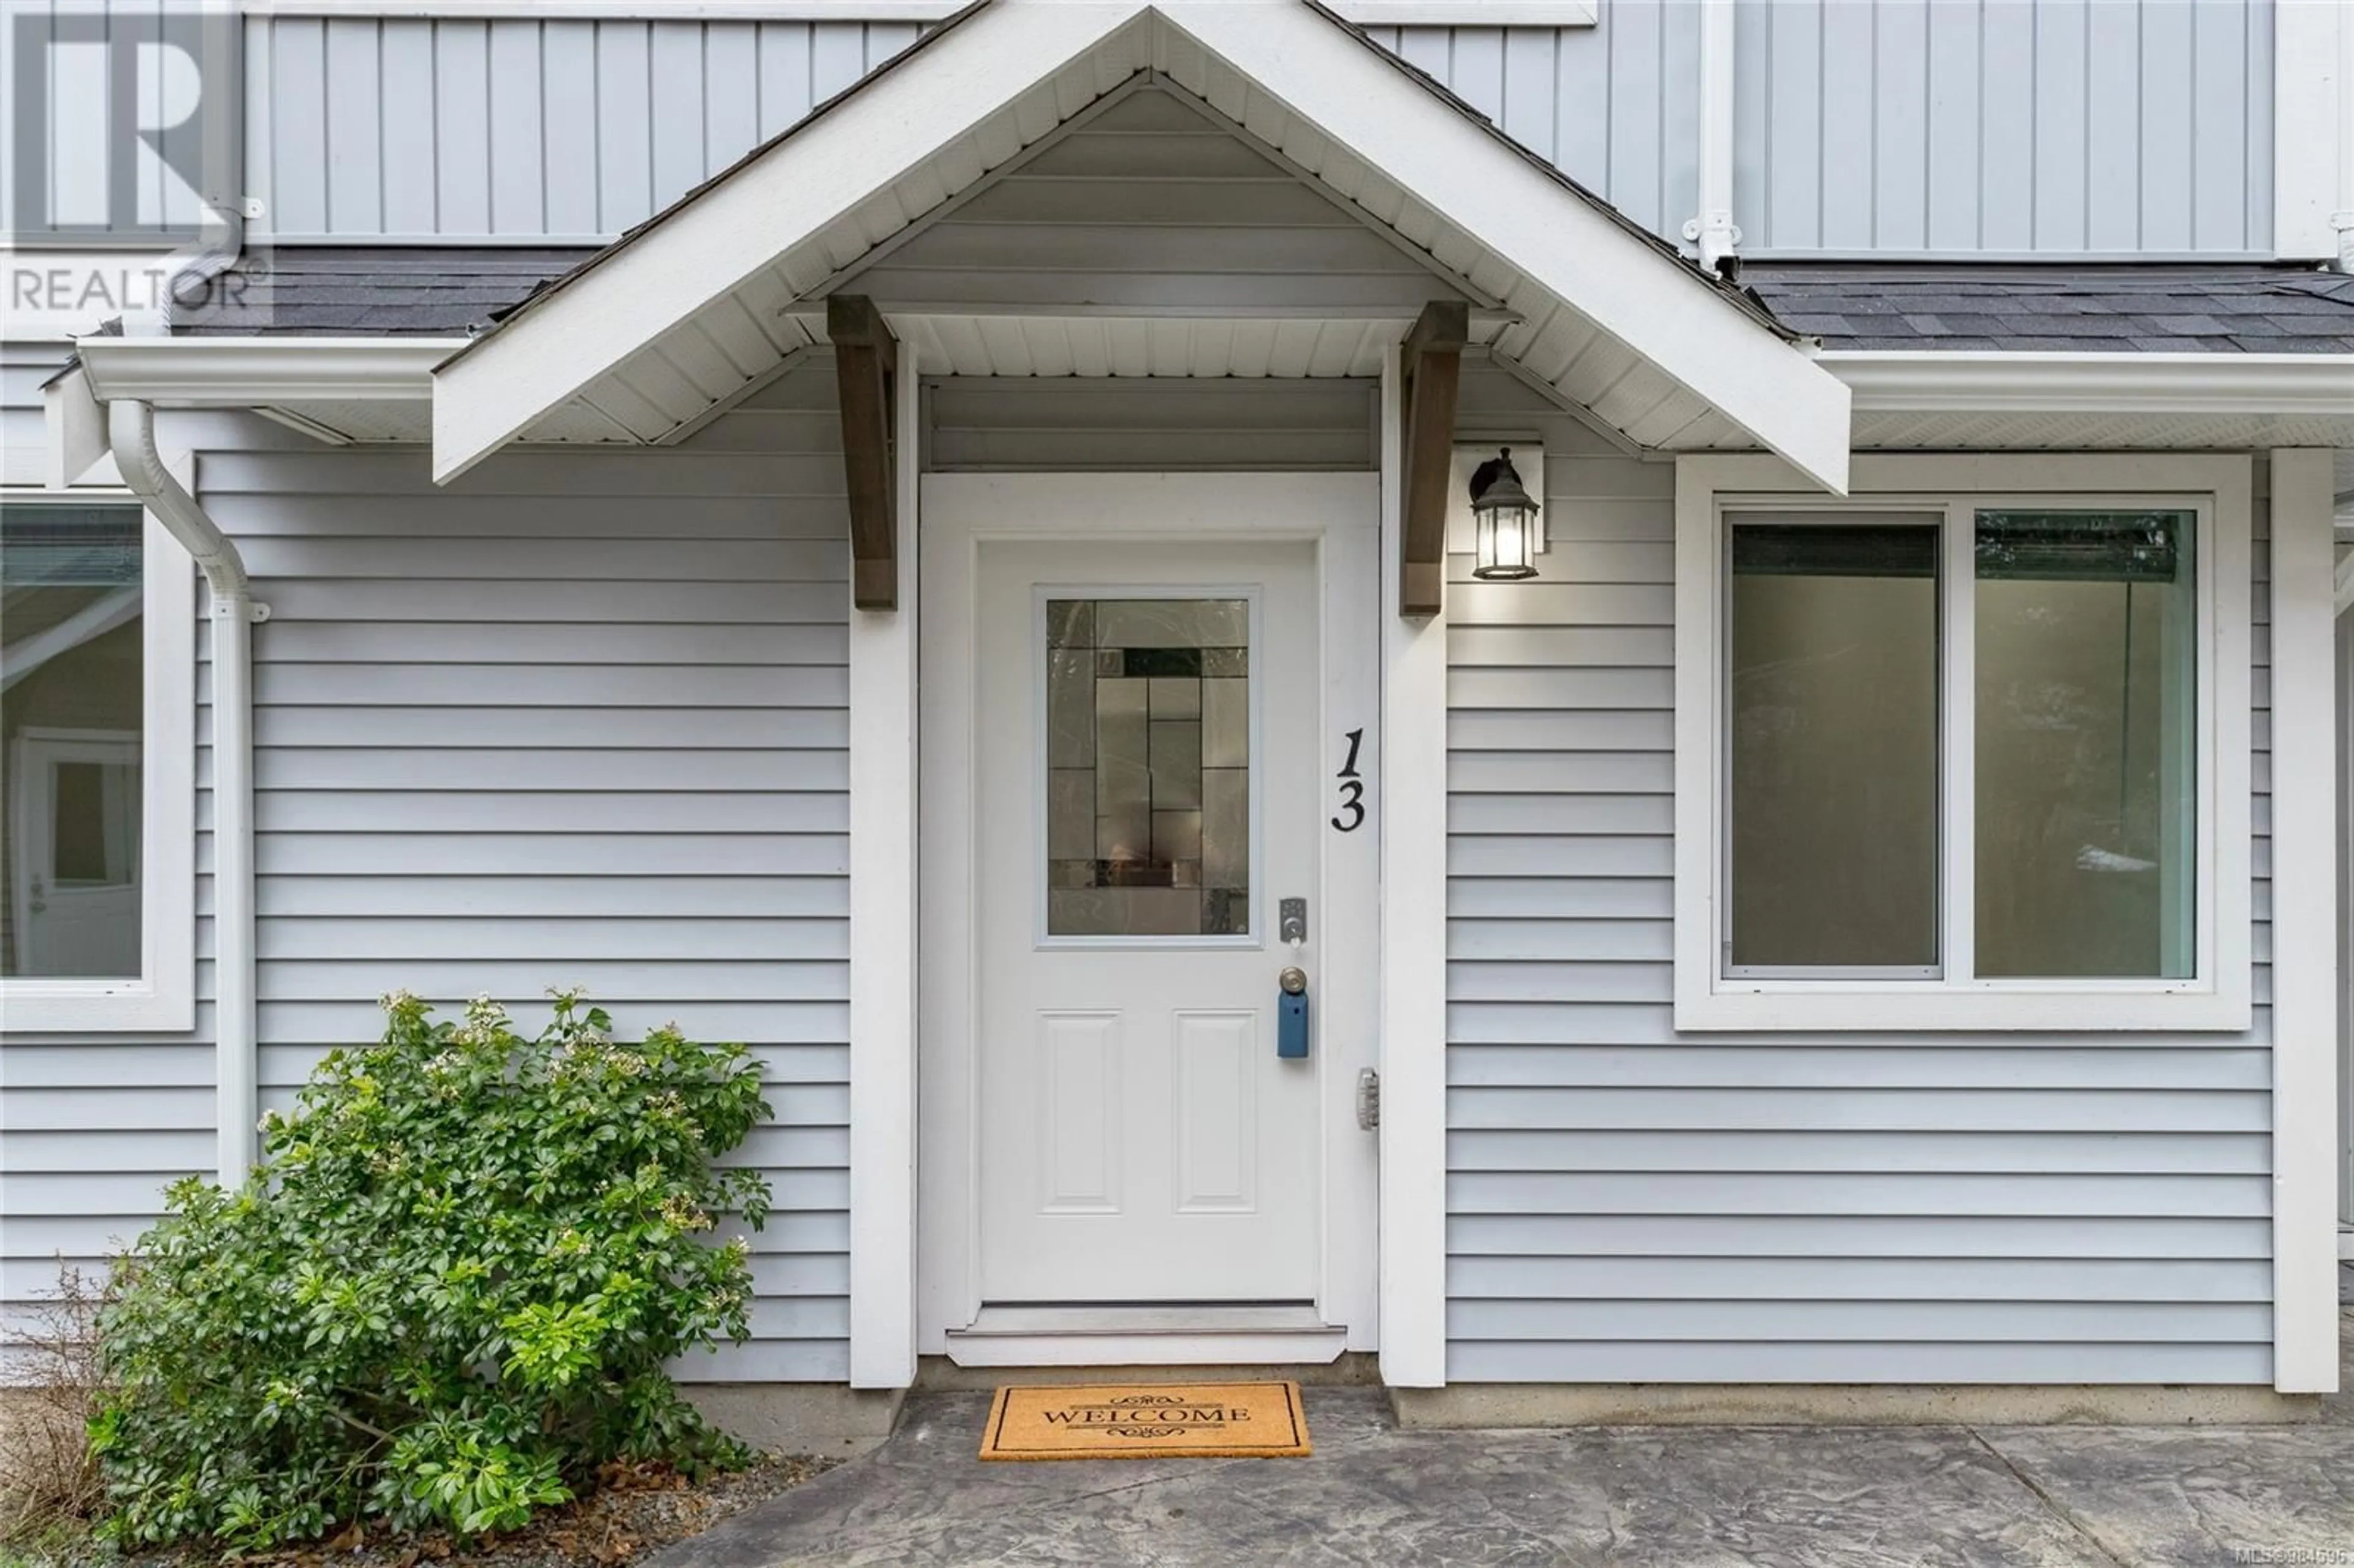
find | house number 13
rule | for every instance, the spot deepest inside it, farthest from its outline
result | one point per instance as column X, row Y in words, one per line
column 1351, row 815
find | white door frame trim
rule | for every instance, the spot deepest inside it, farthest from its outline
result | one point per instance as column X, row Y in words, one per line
column 1414, row 945
column 883, row 951
column 1341, row 513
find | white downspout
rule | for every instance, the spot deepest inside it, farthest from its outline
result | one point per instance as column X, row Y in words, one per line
column 131, row 429
column 1712, row 230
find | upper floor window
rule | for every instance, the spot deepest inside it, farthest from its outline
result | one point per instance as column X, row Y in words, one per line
column 1968, row 760
column 97, row 818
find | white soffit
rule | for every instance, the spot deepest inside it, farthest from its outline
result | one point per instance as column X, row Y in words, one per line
column 1247, row 347
column 707, row 300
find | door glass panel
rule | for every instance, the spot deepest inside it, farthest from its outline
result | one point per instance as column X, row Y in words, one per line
column 1147, row 768
column 95, row 829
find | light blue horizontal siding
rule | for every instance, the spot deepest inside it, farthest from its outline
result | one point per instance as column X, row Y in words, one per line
column 2015, row 127
column 578, row 720
column 1628, row 1204
column 993, row 423
column 1154, row 203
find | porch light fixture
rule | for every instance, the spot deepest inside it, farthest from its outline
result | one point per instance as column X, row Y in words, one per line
column 1505, row 522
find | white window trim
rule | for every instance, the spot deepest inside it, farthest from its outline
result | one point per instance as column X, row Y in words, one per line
column 2218, row 997
column 1469, row 13
column 164, row 995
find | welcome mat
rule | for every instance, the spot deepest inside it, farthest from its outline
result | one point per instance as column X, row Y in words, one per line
column 1128, row 1421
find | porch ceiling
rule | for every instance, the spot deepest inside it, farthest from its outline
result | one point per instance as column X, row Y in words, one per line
column 708, row 300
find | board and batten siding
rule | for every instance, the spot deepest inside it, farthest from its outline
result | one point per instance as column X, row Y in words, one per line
column 408, row 128
column 1890, row 127
column 2049, row 127
column 576, row 719
column 1906, row 127
column 1627, row 1205
column 1615, row 106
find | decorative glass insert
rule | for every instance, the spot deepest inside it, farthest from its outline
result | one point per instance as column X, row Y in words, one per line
column 2087, row 736
column 1147, row 768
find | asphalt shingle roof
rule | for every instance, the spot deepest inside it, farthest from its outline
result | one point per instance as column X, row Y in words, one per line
column 373, row 290
column 2225, row 307
column 2124, row 307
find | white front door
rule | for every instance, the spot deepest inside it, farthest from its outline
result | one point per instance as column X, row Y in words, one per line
column 1146, row 795
column 73, row 853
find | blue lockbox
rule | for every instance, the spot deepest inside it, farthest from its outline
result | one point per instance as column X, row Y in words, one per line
column 1291, row 1025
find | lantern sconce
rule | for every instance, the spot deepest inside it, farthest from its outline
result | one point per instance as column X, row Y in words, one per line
column 1508, row 528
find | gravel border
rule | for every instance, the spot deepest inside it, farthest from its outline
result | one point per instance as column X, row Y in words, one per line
column 635, row 1510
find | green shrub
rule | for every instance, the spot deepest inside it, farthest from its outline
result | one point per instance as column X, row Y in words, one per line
column 446, row 1296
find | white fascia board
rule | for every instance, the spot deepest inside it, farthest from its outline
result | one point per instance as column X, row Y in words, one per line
column 1649, row 301
column 74, row 422
column 248, row 372
column 712, row 242
column 1982, row 381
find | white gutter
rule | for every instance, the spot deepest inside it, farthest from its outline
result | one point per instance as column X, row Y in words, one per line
column 131, row 425
column 1712, row 230
column 247, row 372
column 1981, row 381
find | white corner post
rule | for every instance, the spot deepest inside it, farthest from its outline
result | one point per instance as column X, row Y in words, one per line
column 2313, row 131
column 883, row 942
column 1412, row 948
column 2305, row 925
column 1712, row 230
column 130, row 429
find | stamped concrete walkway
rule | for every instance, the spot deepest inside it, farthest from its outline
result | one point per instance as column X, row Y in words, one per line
column 1690, row 1497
